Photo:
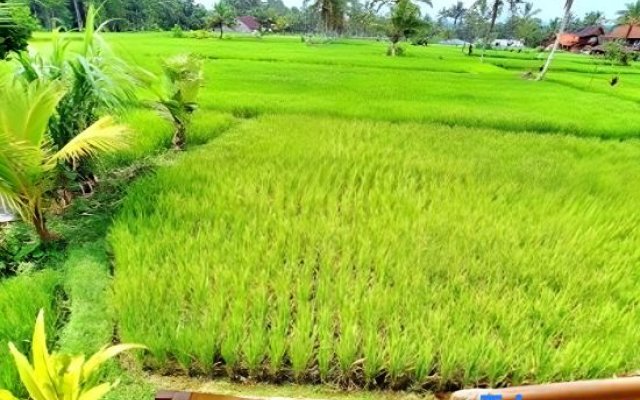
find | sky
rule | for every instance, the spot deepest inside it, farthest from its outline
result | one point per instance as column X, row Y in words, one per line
column 550, row 8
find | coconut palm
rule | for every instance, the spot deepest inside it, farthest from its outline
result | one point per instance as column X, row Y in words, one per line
column 496, row 10
column 593, row 18
column 405, row 20
column 563, row 26
column 223, row 15
column 28, row 160
column 457, row 12
column 178, row 96
column 630, row 16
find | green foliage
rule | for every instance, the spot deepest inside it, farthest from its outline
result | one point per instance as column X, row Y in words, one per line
column 27, row 158
column 59, row 376
column 405, row 21
column 21, row 251
column 616, row 52
column 20, row 299
column 97, row 83
column 178, row 97
column 16, row 26
column 177, row 31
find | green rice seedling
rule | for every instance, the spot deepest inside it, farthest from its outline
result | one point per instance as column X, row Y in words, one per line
column 350, row 250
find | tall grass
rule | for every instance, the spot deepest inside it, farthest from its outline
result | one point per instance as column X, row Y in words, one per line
column 385, row 255
column 20, row 300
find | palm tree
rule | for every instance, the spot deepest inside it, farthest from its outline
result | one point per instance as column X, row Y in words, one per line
column 444, row 14
column 27, row 159
column 528, row 13
column 177, row 100
column 630, row 16
column 563, row 25
column 405, row 20
column 496, row 10
column 593, row 18
column 223, row 15
column 457, row 12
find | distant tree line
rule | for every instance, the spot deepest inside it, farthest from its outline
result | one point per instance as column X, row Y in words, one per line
column 483, row 20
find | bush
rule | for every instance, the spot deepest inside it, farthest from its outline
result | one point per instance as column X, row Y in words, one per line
column 616, row 52
column 177, row 31
column 16, row 26
column 399, row 50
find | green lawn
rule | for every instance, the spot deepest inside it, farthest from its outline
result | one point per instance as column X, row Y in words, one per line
column 425, row 222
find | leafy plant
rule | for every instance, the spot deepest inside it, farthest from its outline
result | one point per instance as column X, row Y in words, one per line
column 16, row 26
column 616, row 53
column 405, row 21
column 98, row 83
column 183, row 78
column 56, row 376
column 28, row 159
column 177, row 31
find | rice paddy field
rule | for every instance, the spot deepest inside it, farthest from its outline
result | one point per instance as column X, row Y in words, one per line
column 428, row 221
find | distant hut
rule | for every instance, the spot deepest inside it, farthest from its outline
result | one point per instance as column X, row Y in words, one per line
column 630, row 34
column 246, row 24
column 588, row 37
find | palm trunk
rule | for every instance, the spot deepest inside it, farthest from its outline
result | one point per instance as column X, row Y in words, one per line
column 563, row 26
column 494, row 17
column 179, row 137
column 221, row 30
column 40, row 223
column 76, row 7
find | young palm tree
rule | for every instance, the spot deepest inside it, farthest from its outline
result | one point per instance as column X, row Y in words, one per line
column 223, row 15
column 98, row 83
column 563, row 26
column 27, row 158
column 630, row 16
column 405, row 20
column 177, row 100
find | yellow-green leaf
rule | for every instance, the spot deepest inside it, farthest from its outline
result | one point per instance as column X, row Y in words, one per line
column 97, row 392
column 72, row 379
column 6, row 395
column 103, row 355
column 42, row 363
column 27, row 375
column 103, row 136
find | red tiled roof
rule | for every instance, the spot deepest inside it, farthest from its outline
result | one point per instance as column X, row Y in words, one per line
column 622, row 32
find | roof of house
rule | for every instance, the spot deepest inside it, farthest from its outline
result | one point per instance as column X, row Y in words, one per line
column 568, row 39
column 622, row 32
column 250, row 22
column 590, row 31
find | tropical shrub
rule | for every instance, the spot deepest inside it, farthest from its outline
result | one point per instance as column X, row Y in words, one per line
column 98, row 83
column 28, row 159
column 178, row 93
column 616, row 53
column 177, row 31
column 16, row 26
column 56, row 376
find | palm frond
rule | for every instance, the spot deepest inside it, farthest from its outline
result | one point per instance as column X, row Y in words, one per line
column 28, row 116
column 102, row 137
